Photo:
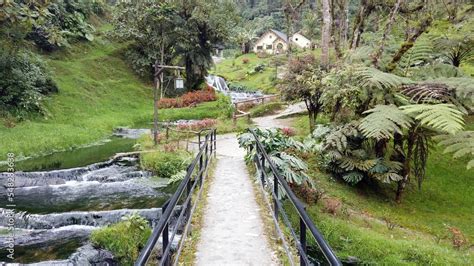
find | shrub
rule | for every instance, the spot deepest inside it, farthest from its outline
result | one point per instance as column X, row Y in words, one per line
column 245, row 60
column 124, row 239
column 224, row 104
column 66, row 21
column 259, row 68
column 24, row 82
column 189, row 99
column 164, row 164
column 198, row 125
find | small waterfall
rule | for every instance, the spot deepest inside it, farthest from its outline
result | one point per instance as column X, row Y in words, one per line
column 219, row 84
column 25, row 220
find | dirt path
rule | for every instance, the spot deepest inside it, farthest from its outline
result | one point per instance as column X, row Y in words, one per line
column 279, row 120
column 232, row 233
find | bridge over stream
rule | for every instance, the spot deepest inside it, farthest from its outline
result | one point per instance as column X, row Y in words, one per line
column 233, row 230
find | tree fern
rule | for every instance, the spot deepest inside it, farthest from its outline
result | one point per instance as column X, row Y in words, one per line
column 428, row 92
column 383, row 121
column 420, row 53
column 461, row 145
column 371, row 77
column 442, row 117
column 463, row 87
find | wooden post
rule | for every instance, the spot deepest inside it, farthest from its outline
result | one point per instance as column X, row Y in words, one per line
column 155, row 103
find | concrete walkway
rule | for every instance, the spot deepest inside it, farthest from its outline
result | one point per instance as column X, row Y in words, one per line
column 232, row 233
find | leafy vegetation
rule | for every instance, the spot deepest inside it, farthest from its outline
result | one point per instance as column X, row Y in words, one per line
column 124, row 239
column 178, row 32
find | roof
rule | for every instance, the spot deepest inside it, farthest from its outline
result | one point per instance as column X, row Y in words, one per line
column 280, row 34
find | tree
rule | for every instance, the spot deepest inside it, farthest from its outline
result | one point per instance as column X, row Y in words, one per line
column 303, row 82
column 326, row 34
column 411, row 127
column 456, row 49
column 388, row 28
column 187, row 29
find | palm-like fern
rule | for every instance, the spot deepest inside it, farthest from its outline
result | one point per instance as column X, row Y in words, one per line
column 420, row 53
column 372, row 77
column 461, row 145
column 383, row 121
column 428, row 92
column 443, row 117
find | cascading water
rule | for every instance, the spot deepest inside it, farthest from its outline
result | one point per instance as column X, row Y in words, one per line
column 219, row 84
column 57, row 210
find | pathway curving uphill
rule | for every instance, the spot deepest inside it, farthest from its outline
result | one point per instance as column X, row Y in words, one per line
column 232, row 233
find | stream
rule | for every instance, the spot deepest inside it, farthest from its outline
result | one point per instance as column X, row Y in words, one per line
column 59, row 199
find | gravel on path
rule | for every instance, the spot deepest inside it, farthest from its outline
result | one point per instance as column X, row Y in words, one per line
column 232, row 232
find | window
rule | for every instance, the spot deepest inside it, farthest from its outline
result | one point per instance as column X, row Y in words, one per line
column 259, row 47
column 269, row 47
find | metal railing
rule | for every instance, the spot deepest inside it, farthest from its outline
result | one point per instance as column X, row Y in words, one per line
column 263, row 162
column 195, row 175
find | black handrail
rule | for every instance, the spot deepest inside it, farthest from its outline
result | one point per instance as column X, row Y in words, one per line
column 206, row 148
column 305, row 220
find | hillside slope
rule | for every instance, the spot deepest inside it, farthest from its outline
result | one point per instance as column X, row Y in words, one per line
column 97, row 92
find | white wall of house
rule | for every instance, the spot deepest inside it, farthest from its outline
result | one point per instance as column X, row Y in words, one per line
column 265, row 43
column 300, row 41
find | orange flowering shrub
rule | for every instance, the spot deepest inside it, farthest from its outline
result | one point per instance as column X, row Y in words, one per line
column 198, row 125
column 189, row 99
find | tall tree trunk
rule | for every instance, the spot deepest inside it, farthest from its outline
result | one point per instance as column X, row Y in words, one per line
column 408, row 44
column 326, row 34
column 406, row 167
column 388, row 28
column 365, row 9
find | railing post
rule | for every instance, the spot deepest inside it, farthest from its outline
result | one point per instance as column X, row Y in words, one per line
column 199, row 141
column 200, row 168
column 207, row 149
column 275, row 191
column 262, row 171
column 303, row 240
column 215, row 143
column 165, row 237
column 188, row 193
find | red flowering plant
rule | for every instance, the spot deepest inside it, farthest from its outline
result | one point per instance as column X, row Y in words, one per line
column 189, row 99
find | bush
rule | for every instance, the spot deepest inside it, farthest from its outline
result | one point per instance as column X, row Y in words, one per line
column 224, row 104
column 66, row 21
column 24, row 82
column 188, row 99
column 164, row 164
column 198, row 125
column 265, row 109
column 245, row 60
column 124, row 239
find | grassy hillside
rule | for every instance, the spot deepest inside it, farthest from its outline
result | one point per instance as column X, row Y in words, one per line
column 420, row 233
column 97, row 92
column 239, row 70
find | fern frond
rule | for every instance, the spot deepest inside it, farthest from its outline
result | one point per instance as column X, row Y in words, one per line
column 421, row 52
column 461, row 145
column 443, row 117
column 372, row 77
column 383, row 121
column 428, row 92
column 464, row 87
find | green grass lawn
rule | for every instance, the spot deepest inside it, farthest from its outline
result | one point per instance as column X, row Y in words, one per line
column 421, row 221
column 97, row 92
